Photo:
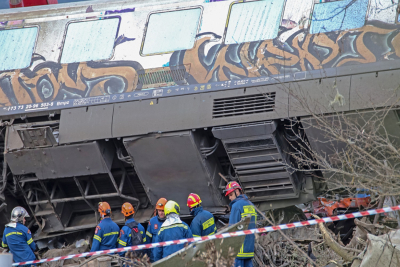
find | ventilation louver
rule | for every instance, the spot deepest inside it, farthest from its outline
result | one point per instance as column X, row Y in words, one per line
column 244, row 105
column 160, row 77
column 258, row 155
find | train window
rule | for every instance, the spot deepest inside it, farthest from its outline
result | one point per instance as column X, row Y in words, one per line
column 17, row 48
column 171, row 31
column 254, row 21
column 338, row 15
column 383, row 10
column 89, row 40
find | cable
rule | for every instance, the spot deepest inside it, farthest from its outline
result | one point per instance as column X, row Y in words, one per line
column 214, row 148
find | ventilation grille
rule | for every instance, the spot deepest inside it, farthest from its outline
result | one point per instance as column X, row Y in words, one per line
column 244, row 105
column 260, row 168
column 160, row 77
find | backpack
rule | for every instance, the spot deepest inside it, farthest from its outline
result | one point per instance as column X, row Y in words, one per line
column 136, row 236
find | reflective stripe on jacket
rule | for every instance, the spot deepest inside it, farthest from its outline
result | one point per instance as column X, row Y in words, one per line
column 203, row 223
column 125, row 236
column 106, row 235
column 153, row 228
column 172, row 232
column 18, row 238
column 240, row 208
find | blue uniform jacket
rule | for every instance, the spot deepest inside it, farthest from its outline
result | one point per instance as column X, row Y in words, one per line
column 240, row 208
column 18, row 238
column 203, row 223
column 171, row 232
column 105, row 236
column 153, row 228
column 125, row 237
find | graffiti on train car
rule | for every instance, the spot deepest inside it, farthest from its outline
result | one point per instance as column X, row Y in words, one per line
column 292, row 51
column 51, row 81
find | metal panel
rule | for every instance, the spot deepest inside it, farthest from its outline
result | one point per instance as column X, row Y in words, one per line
column 187, row 256
column 62, row 161
column 86, row 123
column 17, row 48
column 320, row 95
column 170, row 166
column 89, row 40
column 37, row 137
column 374, row 89
column 254, row 21
column 187, row 112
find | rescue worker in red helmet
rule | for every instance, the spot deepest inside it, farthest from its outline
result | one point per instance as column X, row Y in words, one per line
column 18, row 238
column 172, row 229
column 242, row 207
column 132, row 233
column 203, row 223
column 106, row 233
column 154, row 225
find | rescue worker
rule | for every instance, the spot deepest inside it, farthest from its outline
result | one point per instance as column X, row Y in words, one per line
column 18, row 238
column 242, row 207
column 203, row 223
column 154, row 225
column 172, row 229
column 127, row 238
column 106, row 234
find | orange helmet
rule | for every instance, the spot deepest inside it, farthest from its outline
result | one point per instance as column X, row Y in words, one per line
column 230, row 187
column 104, row 208
column 193, row 200
column 161, row 203
column 127, row 209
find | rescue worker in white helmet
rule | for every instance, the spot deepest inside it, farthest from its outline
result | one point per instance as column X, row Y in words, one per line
column 172, row 229
column 107, row 232
column 154, row 225
column 241, row 207
column 18, row 238
column 203, row 223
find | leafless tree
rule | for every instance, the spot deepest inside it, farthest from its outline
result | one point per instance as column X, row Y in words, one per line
column 352, row 149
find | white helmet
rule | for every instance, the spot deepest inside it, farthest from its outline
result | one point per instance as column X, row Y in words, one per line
column 18, row 214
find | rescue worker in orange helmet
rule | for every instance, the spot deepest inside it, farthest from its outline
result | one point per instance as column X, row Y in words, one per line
column 132, row 233
column 106, row 233
column 155, row 225
column 242, row 207
column 203, row 223
column 172, row 229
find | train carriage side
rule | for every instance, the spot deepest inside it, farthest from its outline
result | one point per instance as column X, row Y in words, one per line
column 133, row 101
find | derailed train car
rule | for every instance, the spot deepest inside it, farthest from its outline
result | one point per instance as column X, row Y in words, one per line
column 137, row 100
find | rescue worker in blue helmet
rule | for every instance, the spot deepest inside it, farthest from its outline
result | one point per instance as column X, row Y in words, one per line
column 132, row 233
column 106, row 233
column 172, row 229
column 203, row 223
column 18, row 238
column 242, row 207
column 154, row 225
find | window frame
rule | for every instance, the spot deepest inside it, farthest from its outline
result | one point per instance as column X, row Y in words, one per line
column 165, row 11
column 312, row 14
column 86, row 20
column 243, row 2
column 34, row 45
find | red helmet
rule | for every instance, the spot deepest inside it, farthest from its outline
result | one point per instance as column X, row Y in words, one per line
column 230, row 187
column 193, row 200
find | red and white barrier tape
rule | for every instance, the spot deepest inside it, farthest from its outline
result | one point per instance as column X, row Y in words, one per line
column 220, row 236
